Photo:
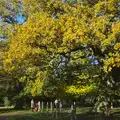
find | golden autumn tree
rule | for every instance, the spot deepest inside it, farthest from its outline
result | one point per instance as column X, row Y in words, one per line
column 64, row 37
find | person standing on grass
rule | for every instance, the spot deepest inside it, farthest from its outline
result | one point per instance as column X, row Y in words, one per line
column 56, row 102
column 73, row 111
column 32, row 105
column 36, row 107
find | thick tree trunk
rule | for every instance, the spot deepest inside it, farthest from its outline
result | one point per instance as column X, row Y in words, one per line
column 19, row 104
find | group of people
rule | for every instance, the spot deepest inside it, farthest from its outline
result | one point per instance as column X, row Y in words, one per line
column 35, row 107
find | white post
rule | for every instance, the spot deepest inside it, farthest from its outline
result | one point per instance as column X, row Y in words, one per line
column 51, row 105
column 47, row 106
column 32, row 105
column 60, row 106
column 39, row 106
column 42, row 105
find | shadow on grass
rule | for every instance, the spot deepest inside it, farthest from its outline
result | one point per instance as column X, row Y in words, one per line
column 65, row 116
column 6, row 110
column 94, row 116
column 82, row 114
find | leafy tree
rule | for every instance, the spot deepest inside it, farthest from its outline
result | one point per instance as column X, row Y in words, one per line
column 62, row 43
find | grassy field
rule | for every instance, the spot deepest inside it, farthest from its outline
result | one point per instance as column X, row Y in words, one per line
column 82, row 114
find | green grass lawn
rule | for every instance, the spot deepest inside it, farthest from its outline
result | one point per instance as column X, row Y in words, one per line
column 82, row 114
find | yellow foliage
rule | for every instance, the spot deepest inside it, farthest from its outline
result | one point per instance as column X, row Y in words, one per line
column 47, row 33
column 36, row 88
column 116, row 27
column 82, row 90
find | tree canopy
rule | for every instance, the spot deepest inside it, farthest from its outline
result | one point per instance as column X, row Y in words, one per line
column 64, row 48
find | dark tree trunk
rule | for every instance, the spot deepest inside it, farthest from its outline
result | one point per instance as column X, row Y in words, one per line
column 19, row 104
